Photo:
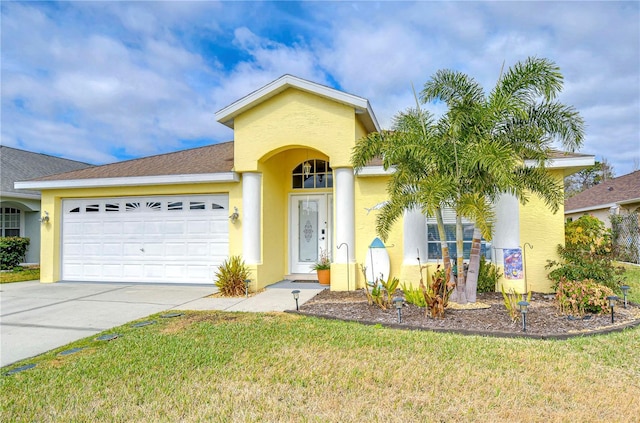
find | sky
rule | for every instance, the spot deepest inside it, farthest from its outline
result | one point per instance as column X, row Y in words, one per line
column 107, row 81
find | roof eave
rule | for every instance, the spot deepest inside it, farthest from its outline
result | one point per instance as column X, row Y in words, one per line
column 201, row 178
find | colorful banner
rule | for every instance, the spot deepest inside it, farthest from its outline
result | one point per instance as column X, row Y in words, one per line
column 513, row 264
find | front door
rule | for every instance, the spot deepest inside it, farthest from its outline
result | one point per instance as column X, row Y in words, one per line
column 310, row 231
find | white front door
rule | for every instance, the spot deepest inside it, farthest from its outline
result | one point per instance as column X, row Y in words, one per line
column 310, row 231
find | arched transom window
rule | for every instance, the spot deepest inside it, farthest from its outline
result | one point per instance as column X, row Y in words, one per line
column 312, row 173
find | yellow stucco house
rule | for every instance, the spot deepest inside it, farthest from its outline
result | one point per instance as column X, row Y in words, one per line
column 279, row 194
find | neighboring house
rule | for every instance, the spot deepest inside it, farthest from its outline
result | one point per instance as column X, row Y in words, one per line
column 617, row 196
column 279, row 194
column 20, row 211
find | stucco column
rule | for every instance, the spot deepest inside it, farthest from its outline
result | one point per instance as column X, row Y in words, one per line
column 345, row 215
column 415, row 237
column 251, row 189
column 506, row 232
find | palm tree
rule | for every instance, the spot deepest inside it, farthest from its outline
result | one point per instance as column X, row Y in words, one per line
column 493, row 136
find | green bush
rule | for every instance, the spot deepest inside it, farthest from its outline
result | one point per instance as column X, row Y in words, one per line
column 580, row 297
column 231, row 275
column 12, row 251
column 488, row 276
column 587, row 254
column 413, row 296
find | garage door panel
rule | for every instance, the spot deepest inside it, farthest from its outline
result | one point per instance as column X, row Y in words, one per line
column 145, row 239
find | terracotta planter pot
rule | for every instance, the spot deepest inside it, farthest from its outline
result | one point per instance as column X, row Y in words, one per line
column 324, row 277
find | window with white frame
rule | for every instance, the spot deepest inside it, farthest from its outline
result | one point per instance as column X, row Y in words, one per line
column 433, row 237
column 10, row 221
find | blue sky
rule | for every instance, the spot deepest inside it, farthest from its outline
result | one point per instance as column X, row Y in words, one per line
column 107, row 81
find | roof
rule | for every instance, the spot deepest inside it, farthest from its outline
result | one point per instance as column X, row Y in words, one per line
column 620, row 190
column 361, row 105
column 212, row 163
column 21, row 165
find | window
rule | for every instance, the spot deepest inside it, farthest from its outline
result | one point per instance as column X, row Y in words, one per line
column 320, row 175
column 174, row 205
column 433, row 238
column 92, row 208
column 9, row 221
column 196, row 205
column 112, row 207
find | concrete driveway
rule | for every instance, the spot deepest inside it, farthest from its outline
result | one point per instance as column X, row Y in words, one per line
column 37, row 317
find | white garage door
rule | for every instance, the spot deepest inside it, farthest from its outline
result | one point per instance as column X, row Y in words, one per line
column 145, row 239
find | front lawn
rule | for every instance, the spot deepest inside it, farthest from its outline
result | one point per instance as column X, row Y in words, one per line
column 217, row 366
column 631, row 277
column 20, row 275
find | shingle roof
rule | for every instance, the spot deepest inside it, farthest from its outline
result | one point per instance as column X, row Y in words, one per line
column 214, row 158
column 626, row 187
column 21, row 165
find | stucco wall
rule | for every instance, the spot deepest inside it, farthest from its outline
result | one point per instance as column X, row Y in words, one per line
column 294, row 118
column 543, row 230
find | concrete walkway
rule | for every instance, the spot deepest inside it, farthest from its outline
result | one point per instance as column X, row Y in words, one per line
column 35, row 317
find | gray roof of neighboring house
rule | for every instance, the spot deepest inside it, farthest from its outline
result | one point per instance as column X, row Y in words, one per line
column 214, row 158
column 21, row 165
column 613, row 191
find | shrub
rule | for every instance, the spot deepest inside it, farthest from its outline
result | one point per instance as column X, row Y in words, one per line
column 587, row 254
column 488, row 276
column 381, row 291
column 413, row 296
column 12, row 251
column 511, row 300
column 231, row 275
column 437, row 293
column 579, row 297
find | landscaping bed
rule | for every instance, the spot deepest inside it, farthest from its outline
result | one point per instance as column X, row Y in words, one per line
column 543, row 319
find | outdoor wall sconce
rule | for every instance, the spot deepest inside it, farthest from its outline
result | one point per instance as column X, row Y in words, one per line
column 625, row 291
column 234, row 216
column 246, row 287
column 296, row 295
column 612, row 303
column 397, row 302
column 524, row 308
column 306, row 169
column 45, row 218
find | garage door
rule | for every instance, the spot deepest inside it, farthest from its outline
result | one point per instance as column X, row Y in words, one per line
column 145, row 239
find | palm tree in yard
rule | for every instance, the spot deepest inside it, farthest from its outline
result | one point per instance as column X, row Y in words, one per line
column 475, row 152
column 494, row 134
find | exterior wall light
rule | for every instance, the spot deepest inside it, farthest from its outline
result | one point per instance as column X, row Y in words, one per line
column 234, row 216
column 524, row 308
column 296, row 295
column 625, row 291
column 397, row 302
column 306, row 169
column 612, row 303
column 45, row 218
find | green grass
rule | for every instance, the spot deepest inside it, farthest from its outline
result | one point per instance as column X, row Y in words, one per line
column 24, row 274
column 216, row 366
column 631, row 277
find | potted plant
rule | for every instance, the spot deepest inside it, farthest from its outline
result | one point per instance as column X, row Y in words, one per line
column 323, row 268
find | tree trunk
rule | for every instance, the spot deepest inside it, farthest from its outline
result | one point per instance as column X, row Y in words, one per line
column 461, row 295
column 444, row 246
column 474, row 266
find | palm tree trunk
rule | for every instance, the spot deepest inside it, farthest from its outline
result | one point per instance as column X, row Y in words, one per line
column 474, row 266
column 461, row 295
column 444, row 246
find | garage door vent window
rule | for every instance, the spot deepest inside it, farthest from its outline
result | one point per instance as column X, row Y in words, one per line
column 132, row 206
column 176, row 205
column 215, row 206
column 112, row 207
column 92, row 208
column 197, row 205
column 155, row 205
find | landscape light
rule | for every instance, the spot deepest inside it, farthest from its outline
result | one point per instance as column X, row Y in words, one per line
column 397, row 302
column 625, row 290
column 296, row 295
column 246, row 287
column 524, row 305
column 612, row 303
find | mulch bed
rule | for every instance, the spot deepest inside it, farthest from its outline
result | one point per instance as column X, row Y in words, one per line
column 543, row 320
